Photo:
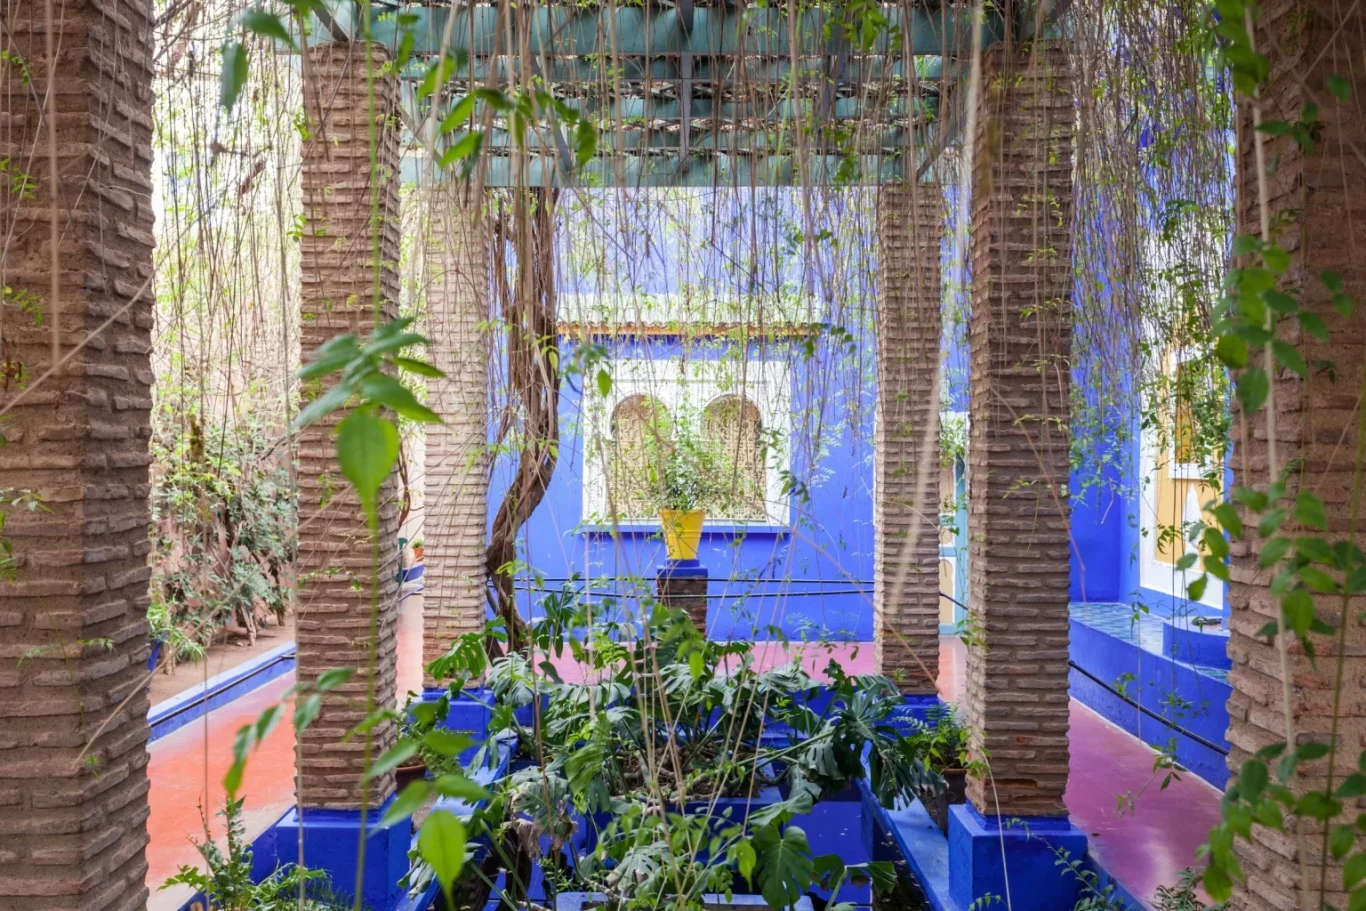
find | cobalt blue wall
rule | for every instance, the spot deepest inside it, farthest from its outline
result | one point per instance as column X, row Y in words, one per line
column 809, row 579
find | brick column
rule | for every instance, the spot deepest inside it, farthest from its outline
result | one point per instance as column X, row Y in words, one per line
column 1020, row 338
column 454, row 525
column 684, row 588
column 335, row 622
column 906, row 572
column 1315, row 201
column 73, row 711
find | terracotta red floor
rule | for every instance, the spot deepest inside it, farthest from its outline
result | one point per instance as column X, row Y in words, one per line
column 1144, row 845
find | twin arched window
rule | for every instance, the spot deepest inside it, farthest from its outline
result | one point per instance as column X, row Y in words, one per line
column 731, row 427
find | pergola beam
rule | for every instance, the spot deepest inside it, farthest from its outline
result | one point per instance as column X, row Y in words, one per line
column 699, row 169
column 653, row 31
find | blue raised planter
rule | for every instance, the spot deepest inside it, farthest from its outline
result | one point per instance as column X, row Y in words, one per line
column 1186, row 640
column 586, row 901
column 1193, row 698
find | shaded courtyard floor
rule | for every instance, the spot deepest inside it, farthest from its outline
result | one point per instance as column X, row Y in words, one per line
column 1140, row 832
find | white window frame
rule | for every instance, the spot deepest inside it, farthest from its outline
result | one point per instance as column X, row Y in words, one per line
column 686, row 387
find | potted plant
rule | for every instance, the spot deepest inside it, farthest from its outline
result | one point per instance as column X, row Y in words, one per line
column 685, row 477
column 941, row 742
column 417, row 549
column 677, row 770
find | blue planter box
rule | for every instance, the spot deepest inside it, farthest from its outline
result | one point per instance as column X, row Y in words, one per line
column 586, row 901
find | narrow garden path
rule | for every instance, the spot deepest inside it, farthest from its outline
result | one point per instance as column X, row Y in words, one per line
column 1142, row 833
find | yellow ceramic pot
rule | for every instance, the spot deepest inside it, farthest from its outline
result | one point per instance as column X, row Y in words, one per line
column 682, row 532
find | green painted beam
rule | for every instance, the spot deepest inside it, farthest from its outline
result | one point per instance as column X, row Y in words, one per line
column 649, row 32
column 632, row 141
column 590, row 71
column 697, row 170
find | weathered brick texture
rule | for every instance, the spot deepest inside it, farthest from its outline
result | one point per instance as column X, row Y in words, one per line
column 73, row 627
column 456, row 279
column 687, row 593
column 1317, row 203
column 337, row 623
column 906, row 572
column 1020, row 338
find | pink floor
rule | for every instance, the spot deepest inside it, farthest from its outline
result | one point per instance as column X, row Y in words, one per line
column 1143, row 845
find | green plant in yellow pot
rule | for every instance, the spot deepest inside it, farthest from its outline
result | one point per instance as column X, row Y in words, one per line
column 686, row 477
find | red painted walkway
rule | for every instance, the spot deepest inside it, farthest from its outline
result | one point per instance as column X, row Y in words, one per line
column 1143, row 845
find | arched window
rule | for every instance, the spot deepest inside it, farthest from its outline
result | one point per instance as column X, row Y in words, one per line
column 733, row 428
column 641, row 431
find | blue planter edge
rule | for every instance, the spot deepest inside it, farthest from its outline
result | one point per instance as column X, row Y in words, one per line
column 173, row 714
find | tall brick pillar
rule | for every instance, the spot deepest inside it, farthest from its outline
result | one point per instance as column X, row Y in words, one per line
column 1018, row 463
column 73, row 711
column 906, row 572
column 456, row 281
column 1316, row 200
column 337, row 625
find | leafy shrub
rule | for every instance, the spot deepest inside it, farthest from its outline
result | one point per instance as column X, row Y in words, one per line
column 227, row 883
column 223, row 532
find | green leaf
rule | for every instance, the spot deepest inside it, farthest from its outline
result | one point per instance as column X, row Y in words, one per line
column 447, row 743
column 1196, row 590
column 585, row 142
column 441, row 842
column 458, row 114
column 1232, row 351
column 1354, row 870
column 1271, row 751
column 333, row 678
column 1317, row 805
column 1228, row 517
column 460, row 787
column 367, row 448
column 267, row 721
column 1276, row 259
column 1339, row 86
column 1312, row 750
column 1217, row 883
column 323, row 405
column 1318, row 580
column 1252, row 389
column 1353, row 786
column 406, row 803
column 389, row 392
column 1288, row 356
column 604, row 383
column 785, row 867
column 745, row 859
column 1215, row 543
column 1298, row 608
column 1244, row 244
column 421, row 368
column 1252, row 779
column 1331, row 280
column 1309, row 511
column 266, row 24
column 1314, row 325
column 1271, row 523
column 241, row 747
column 467, row 147
column 1343, row 304
column 307, row 710
column 393, row 757
column 234, row 74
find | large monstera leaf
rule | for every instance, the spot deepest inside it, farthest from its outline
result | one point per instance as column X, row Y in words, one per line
column 785, row 868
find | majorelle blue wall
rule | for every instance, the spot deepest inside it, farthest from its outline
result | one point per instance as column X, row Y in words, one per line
column 808, row 580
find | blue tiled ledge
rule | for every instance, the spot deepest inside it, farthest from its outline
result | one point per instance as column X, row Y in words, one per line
column 194, row 703
column 1116, row 650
